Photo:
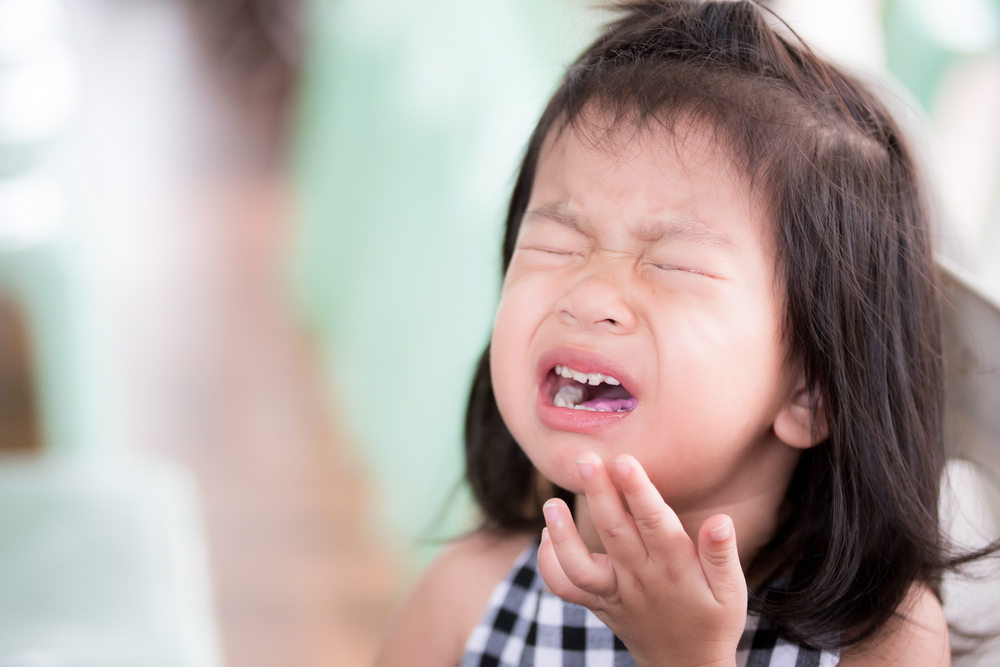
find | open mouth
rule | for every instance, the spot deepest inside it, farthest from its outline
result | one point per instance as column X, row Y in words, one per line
column 595, row 392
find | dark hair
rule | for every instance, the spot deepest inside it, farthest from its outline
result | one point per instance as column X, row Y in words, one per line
column 854, row 254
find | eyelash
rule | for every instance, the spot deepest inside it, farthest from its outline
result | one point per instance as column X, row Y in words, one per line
column 552, row 251
column 669, row 267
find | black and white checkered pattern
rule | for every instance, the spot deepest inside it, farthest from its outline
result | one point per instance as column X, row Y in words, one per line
column 525, row 625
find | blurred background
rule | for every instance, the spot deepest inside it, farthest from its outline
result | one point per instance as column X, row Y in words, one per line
column 249, row 255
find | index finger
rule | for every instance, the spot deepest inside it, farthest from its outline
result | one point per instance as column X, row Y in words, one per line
column 657, row 524
column 614, row 525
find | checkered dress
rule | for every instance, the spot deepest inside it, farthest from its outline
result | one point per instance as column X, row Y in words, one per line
column 525, row 625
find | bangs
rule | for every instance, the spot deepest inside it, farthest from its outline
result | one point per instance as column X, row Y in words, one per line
column 748, row 119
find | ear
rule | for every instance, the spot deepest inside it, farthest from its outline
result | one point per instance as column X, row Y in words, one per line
column 802, row 421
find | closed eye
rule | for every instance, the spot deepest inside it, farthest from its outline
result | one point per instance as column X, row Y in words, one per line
column 551, row 251
column 671, row 267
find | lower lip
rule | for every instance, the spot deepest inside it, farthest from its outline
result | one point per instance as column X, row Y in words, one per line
column 576, row 421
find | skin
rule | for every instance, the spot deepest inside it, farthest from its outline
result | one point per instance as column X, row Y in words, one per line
column 433, row 623
column 645, row 257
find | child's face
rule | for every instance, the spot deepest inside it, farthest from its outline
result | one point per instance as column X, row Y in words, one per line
column 648, row 261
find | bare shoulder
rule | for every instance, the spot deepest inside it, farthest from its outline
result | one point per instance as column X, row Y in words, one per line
column 918, row 638
column 434, row 622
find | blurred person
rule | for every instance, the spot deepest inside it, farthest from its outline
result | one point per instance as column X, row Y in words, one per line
column 715, row 374
column 256, row 51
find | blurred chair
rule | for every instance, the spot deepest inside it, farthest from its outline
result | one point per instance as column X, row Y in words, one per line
column 971, row 489
column 971, row 321
column 103, row 559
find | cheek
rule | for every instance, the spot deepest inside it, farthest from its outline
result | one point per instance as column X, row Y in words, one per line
column 502, row 346
column 719, row 377
column 510, row 368
column 525, row 302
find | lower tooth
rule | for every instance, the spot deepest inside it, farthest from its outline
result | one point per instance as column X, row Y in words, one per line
column 591, row 409
column 579, row 407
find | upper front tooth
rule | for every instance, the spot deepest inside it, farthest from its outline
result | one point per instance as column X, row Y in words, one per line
column 584, row 378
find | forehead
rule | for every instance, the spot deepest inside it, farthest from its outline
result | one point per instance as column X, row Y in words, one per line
column 685, row 140
column 637, row 179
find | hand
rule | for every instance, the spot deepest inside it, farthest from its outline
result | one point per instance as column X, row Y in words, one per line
column 670, row 603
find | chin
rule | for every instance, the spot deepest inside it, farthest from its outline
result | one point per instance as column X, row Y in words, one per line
column 555, row 457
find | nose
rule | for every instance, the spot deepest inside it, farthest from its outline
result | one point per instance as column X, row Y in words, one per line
column 598, row 301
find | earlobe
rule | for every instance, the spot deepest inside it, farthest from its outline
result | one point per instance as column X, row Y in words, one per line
column 802, row 421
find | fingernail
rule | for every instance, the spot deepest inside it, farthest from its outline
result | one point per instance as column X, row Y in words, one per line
column 586, row 468
column 551, row 512
column 722, row 532
column 624, row 468
column 545, row 534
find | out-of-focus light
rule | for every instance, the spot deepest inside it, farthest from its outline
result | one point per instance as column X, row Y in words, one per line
column 39, row 82
column 28, row 25
column 38, row 97
column 31, row 211
column 963, row 26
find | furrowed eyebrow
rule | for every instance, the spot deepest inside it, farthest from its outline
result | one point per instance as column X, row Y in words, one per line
column 558, row 213
column 688, row 229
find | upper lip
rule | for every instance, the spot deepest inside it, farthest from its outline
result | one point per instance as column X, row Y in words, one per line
column 584, row 361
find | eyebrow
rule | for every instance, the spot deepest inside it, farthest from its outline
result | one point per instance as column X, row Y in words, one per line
column 681, row 228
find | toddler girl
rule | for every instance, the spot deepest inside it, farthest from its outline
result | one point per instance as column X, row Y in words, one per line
column 715, row 374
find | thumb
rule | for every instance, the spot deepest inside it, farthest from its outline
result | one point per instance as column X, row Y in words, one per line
column 720, row 560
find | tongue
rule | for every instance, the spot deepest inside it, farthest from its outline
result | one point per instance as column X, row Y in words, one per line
column 611, row 404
